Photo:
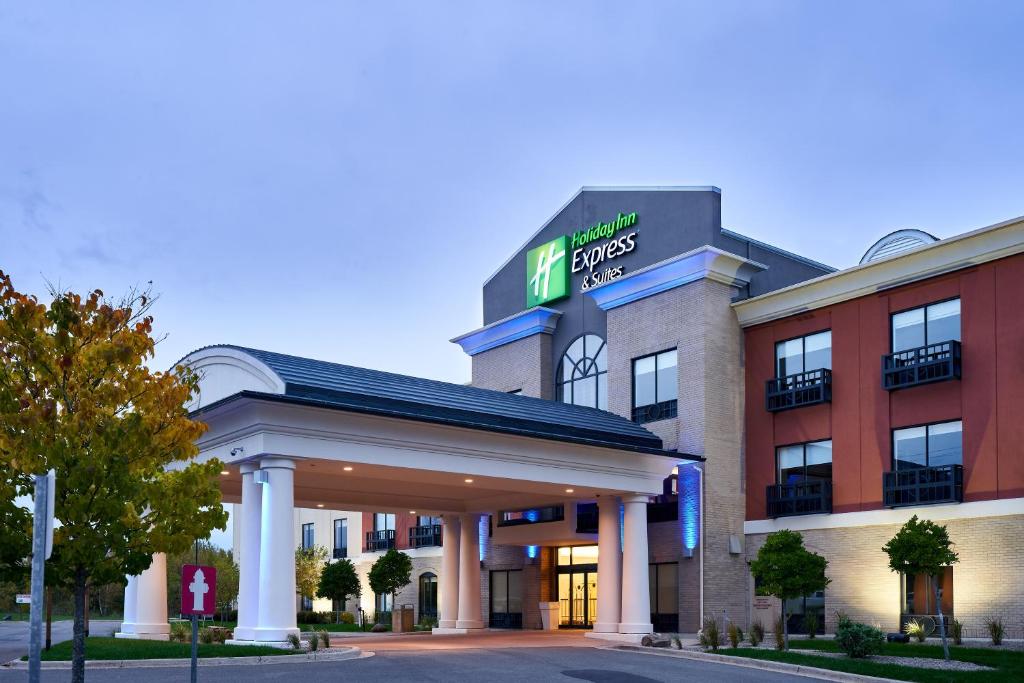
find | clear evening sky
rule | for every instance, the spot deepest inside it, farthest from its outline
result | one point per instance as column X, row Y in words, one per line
column 337, row 180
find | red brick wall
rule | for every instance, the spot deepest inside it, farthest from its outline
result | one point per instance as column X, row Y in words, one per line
column 861, row 416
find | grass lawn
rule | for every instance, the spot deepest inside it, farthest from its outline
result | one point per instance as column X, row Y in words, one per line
column 116, row 648
column 1009, row 664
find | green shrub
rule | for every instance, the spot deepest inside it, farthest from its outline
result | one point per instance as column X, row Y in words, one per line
column 325, row 637
column 181, row 632
column 811, row 624
column 842, row 619
column 428, row 623
column 379, row 628
column 295, row 641
column 347, row 618
column 956, row 630
column 756, row 633
column 205, row 636
column 710, row 638
column 735, row 635
column 780, row 636
column 995, row 630
column 859, row 640
column 916, row 630
column 314, row 642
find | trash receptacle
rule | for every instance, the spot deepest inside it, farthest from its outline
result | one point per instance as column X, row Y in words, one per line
column 402, row 619
column 549, row 616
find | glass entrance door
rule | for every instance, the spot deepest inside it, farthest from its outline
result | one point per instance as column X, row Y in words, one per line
column 577, row 587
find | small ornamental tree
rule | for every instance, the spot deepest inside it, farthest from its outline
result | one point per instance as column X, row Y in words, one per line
column 923, row 547
column 77, row 396
column 786, row 570
column 309, row 562
column 339, row 581
column 390, row 573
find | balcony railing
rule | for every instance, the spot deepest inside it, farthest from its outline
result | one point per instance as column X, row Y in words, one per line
column 656, row 411
column 423, row 536
column 801, row 389
column 923, row 365
column 380, row 540
column 340, row 553
column 802, row 498
column 923, row 486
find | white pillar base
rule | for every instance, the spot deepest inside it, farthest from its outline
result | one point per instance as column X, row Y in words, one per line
column 446, row 623
column 641, row 629
column 270, row 636
column 448, row 631
column 284, row 644
column 244, row 633
column 146, row 635
column 469, row 624
column 632, row 638
column 606, row 628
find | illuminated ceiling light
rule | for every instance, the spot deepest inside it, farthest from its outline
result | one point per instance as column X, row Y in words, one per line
column 225, row 472
column 569, row 490
column 347, row 468
column 412, row 512
column 469, row 481
column 319, row 505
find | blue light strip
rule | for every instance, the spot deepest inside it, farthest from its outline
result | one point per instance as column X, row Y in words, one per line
column 689, row 504
column 531, row 551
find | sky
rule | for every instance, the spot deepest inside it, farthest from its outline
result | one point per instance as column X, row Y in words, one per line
column 336, row 180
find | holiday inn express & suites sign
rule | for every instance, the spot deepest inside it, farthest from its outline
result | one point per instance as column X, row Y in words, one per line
column 550, row 266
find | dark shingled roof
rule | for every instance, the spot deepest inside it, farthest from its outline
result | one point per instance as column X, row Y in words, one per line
column 345, row 387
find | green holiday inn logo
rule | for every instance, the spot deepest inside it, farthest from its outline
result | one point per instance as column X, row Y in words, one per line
column 547, row 273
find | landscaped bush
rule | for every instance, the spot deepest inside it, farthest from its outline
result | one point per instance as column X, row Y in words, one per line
column 756, row 633
column 780, row 634
column 205, row 636
column 181, row 632
column 295, row 641
column 811, row 624
column 859, row 640
column 842, row 619
column 379, row 628
column 226, row 615
column 735, row 635
column 311, row 617
column 995, row 630
column 314, row 642
column 709, row 636
column 325, row 637
column 956, row 630
column 347, row 618
column 916, row 630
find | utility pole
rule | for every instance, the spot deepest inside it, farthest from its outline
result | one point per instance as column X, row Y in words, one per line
column 42, row 546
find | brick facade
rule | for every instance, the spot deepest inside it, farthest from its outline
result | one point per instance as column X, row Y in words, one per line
column 524, row 364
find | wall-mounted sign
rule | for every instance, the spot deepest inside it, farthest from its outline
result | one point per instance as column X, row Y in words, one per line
column 549, row 266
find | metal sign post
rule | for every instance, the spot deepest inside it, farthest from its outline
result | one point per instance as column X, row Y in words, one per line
column 198, row 596
column 42, row 546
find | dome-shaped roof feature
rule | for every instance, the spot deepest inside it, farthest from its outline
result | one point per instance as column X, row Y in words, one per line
column 897, row 242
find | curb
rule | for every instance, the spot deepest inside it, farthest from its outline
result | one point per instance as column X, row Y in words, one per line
column 341, row 655
column 762, row 664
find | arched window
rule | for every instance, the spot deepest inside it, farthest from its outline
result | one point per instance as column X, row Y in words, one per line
column 428, row 596
column 582, row 376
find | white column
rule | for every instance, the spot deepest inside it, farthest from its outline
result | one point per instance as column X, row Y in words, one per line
column 469, row 574
column 609, row 567
column 249, row 553
column 276, row 611
column 131, row 601
column 636, row 597
column 449, row 597
column 151, row 602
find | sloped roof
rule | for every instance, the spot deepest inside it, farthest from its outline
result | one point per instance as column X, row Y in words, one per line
column 345, row 387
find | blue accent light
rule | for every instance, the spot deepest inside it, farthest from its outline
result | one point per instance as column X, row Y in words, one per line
column 532, row 515
column 689, row 504
column 531, row 551
column 484, row 528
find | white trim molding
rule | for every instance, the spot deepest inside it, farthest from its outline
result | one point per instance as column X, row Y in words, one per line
column 983, row 508
column 537, row 320
column 697, row 264
column 926, row 261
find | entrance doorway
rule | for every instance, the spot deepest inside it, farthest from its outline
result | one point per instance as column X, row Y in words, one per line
column 577, row 587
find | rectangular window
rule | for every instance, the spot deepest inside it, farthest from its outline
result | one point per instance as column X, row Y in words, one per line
column 932, row 445
column 551, row 513
column 655, row 387
column 383, row 522
column 932, row 324
column 803, row 354
column 340, row 538
column 804, row 462
column 307, row 536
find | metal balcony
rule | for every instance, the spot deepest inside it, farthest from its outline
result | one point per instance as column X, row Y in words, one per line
column 380, row 540
column 923, row 365
column 423, row 536
column 802, row 389
column 802, row 498
column 923, row 486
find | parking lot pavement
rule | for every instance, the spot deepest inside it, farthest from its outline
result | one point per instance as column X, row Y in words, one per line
column 14, row 635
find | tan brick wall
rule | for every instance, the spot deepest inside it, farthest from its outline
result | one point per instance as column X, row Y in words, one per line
column 988, row 581
column 698, row 321
column 523, row 364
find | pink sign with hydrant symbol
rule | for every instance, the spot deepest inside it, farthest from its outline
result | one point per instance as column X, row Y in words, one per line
column 198, row 589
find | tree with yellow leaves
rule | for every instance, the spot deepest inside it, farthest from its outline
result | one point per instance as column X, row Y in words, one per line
column 76, row 396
